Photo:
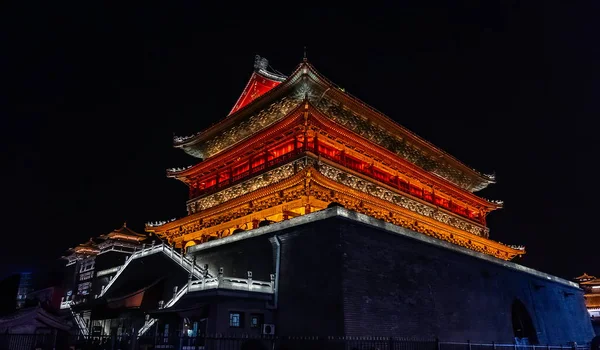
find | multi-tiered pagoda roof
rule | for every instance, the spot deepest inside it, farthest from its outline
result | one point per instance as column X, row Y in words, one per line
column 591, row 286
column 82, row 251
column 293, row 145
column 120, row 238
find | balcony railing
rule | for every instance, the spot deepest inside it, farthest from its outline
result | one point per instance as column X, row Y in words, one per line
column 232, row 283
column 254, row 171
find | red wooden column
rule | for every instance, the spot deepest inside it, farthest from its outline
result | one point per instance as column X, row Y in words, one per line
column 305, row 141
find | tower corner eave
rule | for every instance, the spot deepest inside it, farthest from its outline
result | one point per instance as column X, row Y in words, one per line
column 484, row 180
column 186, row 144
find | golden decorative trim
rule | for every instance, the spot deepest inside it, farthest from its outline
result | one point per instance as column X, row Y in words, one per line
column 260, row 181
column 400, row 200
column 247, row 128
column 310, row 183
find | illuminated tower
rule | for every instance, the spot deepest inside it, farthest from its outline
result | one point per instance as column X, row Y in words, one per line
column 298, row 144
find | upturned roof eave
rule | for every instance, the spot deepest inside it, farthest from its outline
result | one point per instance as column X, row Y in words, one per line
column 190, row 171
column 255, row 74
column 236, row 116
column 395, row 125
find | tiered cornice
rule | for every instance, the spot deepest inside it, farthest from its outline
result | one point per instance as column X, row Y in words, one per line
column 307, row 119
column 304, row 186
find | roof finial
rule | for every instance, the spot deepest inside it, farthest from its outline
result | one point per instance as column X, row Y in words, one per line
column 304, row 59
column 125, row 224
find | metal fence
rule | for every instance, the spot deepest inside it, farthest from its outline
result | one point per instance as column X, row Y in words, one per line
column 219, row 342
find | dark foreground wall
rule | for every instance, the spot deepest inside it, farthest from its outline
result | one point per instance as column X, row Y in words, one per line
column 366, row 280
column 343, row 273
column 404, row 286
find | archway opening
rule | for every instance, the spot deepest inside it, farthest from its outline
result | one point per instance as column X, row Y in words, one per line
column 523, row 328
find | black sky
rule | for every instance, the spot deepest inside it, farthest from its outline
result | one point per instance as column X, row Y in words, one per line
column 94, row 92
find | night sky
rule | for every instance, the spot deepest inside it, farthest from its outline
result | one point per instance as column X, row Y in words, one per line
column 94, row 93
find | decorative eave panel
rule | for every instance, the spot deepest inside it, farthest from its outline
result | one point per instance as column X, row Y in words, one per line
column 305, row 115
column 328, row 184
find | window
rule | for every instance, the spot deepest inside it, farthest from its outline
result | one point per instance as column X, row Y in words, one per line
column 87, row 266
column 84, row 288
column 256, row 320
column 166, row 334
column 236, row 319
column 86, row 276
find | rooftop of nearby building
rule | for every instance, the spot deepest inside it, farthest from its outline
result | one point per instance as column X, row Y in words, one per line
column 124, row 233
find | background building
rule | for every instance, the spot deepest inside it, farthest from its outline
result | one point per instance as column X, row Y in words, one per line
column 90, row 268
column 591, row 288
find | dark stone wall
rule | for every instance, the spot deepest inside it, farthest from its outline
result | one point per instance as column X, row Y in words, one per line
column 219, row 322
column 310, row 293
column 238, row 258
column 394, row 285
column 341, row 277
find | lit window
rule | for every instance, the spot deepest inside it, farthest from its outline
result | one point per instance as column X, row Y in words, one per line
column 256, row 320
column 86, row 276
column 235, row 319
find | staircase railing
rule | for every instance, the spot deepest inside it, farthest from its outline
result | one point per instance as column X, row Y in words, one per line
column 80, row 322
column 168, row 251
column 169, row 303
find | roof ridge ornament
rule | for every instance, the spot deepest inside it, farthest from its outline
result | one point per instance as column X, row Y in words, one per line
column 260, row 63
column 304, row 58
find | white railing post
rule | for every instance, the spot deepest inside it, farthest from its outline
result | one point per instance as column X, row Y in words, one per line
column 191, row 272
column 143, row 248
column 273, row 282
column 249, row 280
column 172, row 249
column 204, row 275
column 220, row 277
